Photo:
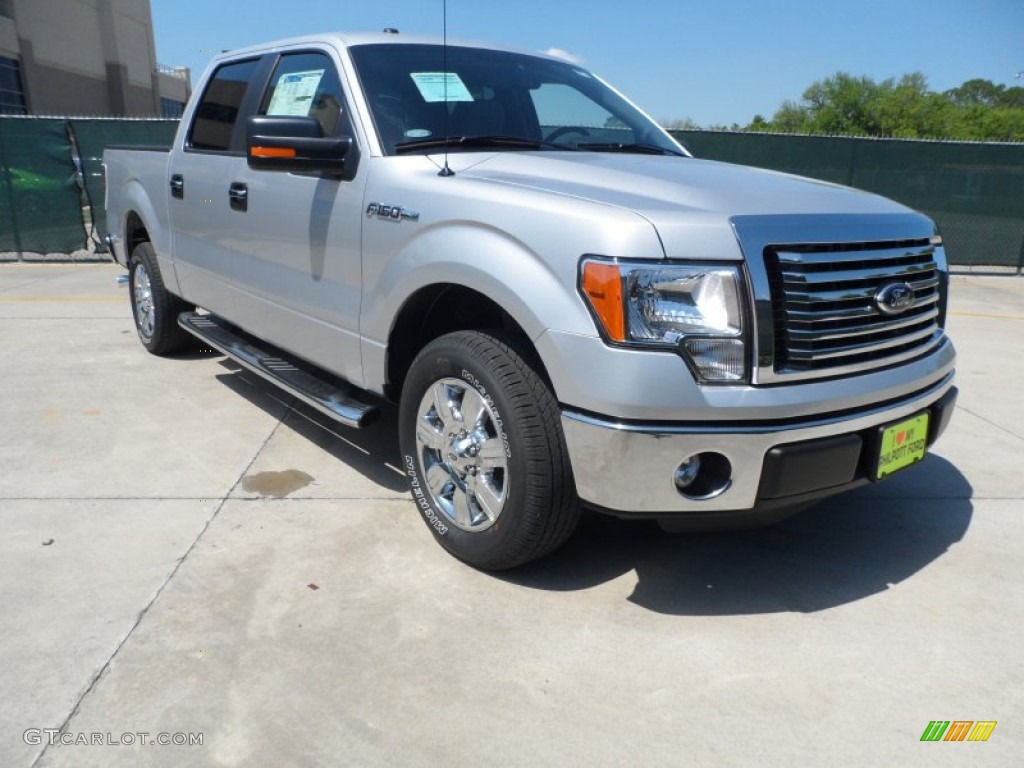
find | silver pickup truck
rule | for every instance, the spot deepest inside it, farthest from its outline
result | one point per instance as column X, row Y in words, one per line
column 568, row 308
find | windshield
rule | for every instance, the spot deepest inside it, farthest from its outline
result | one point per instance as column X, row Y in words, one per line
column 494, row 99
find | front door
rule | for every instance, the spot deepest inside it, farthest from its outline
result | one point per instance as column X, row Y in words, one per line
column 298, row 239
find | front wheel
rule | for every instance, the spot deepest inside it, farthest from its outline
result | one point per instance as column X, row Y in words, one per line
column 484, row 453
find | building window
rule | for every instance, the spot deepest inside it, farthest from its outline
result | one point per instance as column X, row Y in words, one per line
column 5, row 9
column 171, row 107
column 12, row 96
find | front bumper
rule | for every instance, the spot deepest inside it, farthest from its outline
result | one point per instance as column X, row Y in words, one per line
column 628, row 468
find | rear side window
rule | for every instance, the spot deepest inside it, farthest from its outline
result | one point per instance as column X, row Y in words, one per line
column 306, row 85
column 217, row 113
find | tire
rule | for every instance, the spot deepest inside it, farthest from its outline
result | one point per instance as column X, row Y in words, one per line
column 484, row 453
column 154, row 309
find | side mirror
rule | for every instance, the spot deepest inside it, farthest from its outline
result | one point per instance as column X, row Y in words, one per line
column 274, row 143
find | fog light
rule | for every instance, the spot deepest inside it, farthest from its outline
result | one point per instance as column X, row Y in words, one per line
column 687, row 472
column 703, row 476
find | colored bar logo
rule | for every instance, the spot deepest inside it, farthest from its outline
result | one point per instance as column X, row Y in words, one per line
column 958, row 730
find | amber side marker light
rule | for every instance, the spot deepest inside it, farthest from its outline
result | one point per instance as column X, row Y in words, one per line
column 272, row 152
column 602, row 285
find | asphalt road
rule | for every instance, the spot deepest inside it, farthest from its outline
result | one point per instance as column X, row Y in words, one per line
column 187, row 552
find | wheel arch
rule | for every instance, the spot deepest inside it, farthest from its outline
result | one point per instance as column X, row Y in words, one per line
column 442, row 308
column 141, row 221
column 135, row 232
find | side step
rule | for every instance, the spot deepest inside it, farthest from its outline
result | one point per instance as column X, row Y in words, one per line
column 331, row 399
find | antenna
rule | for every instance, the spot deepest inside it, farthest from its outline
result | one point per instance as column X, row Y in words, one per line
column 446, row 171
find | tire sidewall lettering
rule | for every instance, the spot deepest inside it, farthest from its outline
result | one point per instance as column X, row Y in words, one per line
column 540, row 509
column 499, row 424
column 420, row 498
column 412, row 466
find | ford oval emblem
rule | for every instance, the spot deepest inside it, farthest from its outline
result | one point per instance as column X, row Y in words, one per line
column 894, row 298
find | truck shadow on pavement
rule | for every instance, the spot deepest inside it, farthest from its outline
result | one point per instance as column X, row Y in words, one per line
column 843, row 549
column 373, row 452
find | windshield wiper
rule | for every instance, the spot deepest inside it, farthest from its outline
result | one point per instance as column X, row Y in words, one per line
column 639, row 149
column 479, row 142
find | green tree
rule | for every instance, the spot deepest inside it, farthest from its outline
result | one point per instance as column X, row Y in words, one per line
column 1012, row 98
column 972, row 93
column 844, row 104
column 791, row 118
column 908, row 110
column 679, row 124
column 905, row 108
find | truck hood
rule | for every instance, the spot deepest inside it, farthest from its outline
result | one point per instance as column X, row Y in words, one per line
column 690, row 202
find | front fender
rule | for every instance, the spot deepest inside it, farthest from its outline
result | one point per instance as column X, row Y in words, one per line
column 519, row 247
column 488, row 261
column 485, row 260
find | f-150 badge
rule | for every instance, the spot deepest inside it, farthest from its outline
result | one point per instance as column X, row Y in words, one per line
column 391, row 212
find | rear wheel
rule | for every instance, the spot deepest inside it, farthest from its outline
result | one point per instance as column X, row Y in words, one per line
column 154, row 309
column 484, row 452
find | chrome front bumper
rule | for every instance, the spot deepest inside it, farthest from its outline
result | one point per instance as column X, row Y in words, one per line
column 629, row 468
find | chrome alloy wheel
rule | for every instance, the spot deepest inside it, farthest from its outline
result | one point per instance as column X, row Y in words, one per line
column 145, row 313
column 462, row 455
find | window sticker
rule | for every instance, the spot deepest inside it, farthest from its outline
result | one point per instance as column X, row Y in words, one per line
column 432, row 86
column 293, row 95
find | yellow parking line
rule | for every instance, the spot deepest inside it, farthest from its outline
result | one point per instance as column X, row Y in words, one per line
column 982, row 314
column 61, row 299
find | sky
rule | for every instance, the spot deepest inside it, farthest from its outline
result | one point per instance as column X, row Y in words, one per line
column 712, row 62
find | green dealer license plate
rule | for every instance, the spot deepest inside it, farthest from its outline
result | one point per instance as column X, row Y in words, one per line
column 902, row 444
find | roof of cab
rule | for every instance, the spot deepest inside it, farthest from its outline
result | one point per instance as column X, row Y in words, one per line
column 347, row 39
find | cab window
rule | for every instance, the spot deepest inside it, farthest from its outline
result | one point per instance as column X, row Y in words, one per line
column 218, row 110
column 306, row 85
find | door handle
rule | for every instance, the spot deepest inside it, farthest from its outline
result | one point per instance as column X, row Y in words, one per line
column 178, row 186
column 238, row 192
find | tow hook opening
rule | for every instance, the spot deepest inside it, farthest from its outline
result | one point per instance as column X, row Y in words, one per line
column 703, row 476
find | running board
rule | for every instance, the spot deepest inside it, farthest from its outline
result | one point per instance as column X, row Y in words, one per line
column 328, row 398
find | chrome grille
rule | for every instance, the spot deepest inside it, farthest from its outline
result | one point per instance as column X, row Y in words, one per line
column 825, row 310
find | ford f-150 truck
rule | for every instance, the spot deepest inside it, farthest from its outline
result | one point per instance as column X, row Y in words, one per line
column 567, row 307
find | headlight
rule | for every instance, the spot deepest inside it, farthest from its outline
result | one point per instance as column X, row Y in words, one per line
column 693, row 309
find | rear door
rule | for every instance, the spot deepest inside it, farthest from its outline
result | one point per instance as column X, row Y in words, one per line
column 211, row 153
column 298, row 239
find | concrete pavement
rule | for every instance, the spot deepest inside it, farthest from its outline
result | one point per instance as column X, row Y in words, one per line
column 187, row 551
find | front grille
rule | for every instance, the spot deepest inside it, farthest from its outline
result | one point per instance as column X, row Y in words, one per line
column 825, row 312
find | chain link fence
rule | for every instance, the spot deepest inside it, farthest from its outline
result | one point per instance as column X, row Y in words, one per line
column 973, row 191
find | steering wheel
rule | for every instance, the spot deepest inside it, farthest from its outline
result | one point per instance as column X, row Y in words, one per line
column 566, row 129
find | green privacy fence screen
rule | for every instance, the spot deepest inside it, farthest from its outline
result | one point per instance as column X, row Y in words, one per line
column 975, row 192
column 51, row 179
column 93, row 135
column 40, row 201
